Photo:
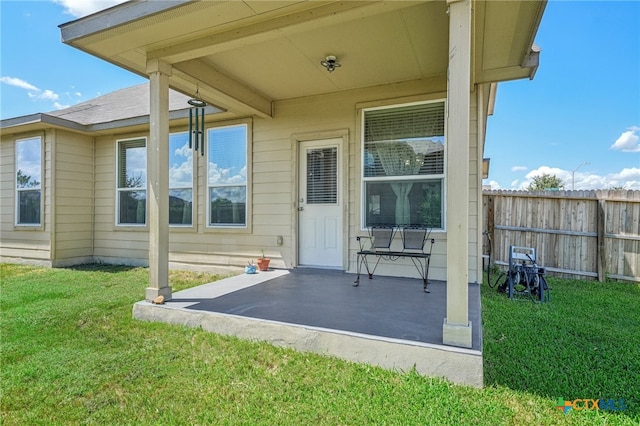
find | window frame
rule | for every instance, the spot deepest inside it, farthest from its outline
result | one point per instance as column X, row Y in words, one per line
column 415, row 178
column 246, row 227
column 117, row 218
column 17, row 223
column 194, row 163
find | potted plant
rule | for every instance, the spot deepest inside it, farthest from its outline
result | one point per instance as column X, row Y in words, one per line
column 250, row 268
column 263, row 262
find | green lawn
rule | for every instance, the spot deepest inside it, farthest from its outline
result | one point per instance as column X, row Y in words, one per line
column 71, row 354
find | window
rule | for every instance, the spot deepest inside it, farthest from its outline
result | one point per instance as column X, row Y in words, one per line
column 28, row 181
column 227, row 176
column 132, row 182
column 180, row 180
column 322, row 176
column 403, row 165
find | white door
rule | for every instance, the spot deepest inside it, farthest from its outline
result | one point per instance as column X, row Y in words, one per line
column 319, row 204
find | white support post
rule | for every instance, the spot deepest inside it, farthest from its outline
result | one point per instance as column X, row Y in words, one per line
column 457, row 327
column 158, row 180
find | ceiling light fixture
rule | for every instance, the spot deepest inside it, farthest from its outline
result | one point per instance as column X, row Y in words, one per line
column 331, row 63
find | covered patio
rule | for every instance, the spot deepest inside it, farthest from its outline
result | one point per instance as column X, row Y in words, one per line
column 265, row 66
column 387, row 321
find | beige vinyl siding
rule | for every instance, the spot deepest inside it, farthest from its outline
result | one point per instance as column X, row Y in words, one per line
column 114, row 244
column 272, row 186
column 309, row 116
column 19, row 243
column 73, row 198
column 86, row 195
column 7, row 185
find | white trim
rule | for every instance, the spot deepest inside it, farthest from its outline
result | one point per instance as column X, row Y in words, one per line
column 296, row 140
column 16, row 211
column 341, row 197
column 117, row 192
column 363, row 180
column 248, row 138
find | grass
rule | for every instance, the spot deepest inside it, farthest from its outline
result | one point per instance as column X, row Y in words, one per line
column 585, row 344
column 72, row 354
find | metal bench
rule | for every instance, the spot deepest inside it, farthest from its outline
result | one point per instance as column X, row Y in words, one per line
column 380, row 238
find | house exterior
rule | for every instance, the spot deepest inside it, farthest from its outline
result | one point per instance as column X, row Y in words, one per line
column 298, row 159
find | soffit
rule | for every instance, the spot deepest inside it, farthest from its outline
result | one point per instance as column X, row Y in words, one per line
column 505, row 32
column 243, row 55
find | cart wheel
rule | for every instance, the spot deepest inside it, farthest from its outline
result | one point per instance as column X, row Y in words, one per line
column 520, row 283
column 533, row 283
column 545, row 291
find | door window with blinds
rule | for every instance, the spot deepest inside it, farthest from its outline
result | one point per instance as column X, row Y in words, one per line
column 227, row 176
column 322, row 175
column 131, row 197
column 403, row 165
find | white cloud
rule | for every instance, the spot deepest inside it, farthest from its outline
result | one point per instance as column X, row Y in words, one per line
column 519, row 168
column 79, row 8
column 33, row 91
column 627, row 178
column 184, row 151
column 17, row 82
column 632, row 173
column 564, row 175
column 58, row 105
column 29, row 158
column 44, row 94
column 181, row 167
column 219, row 175
column 49, row 94
column 546, row 170
column 494, row 184
column 628, row 141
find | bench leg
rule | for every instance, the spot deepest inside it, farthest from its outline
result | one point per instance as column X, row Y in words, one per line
column 371, row 272
column 356, row 283
column 362, row 260
column 423, row 269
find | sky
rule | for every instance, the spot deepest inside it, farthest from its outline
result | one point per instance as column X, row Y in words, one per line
column 578, row 119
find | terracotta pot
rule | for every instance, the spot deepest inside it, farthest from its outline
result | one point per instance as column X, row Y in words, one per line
column 263, row 263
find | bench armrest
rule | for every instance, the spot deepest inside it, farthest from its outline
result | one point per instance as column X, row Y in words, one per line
column 361, row 243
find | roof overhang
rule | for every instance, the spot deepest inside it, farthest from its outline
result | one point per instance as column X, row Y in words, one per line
column 243, row 56
column 504, row 47
column 42, row 121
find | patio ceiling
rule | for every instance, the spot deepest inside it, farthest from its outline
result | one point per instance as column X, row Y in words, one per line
column 244, row 55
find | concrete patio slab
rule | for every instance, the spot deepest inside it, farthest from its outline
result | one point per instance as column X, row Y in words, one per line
column 387, row 321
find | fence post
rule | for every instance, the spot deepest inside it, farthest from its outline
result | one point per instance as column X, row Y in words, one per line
column 490, row 216
column 601, row 257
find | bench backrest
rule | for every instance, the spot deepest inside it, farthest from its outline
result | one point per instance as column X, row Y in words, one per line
column 382, row 236
column 414, row 237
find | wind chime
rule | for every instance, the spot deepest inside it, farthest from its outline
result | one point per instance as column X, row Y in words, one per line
column 196, row 123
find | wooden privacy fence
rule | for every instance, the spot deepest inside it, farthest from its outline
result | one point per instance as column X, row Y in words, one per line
column 576, row 233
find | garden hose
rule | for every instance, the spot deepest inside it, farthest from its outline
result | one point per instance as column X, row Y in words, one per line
column 489, row 267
